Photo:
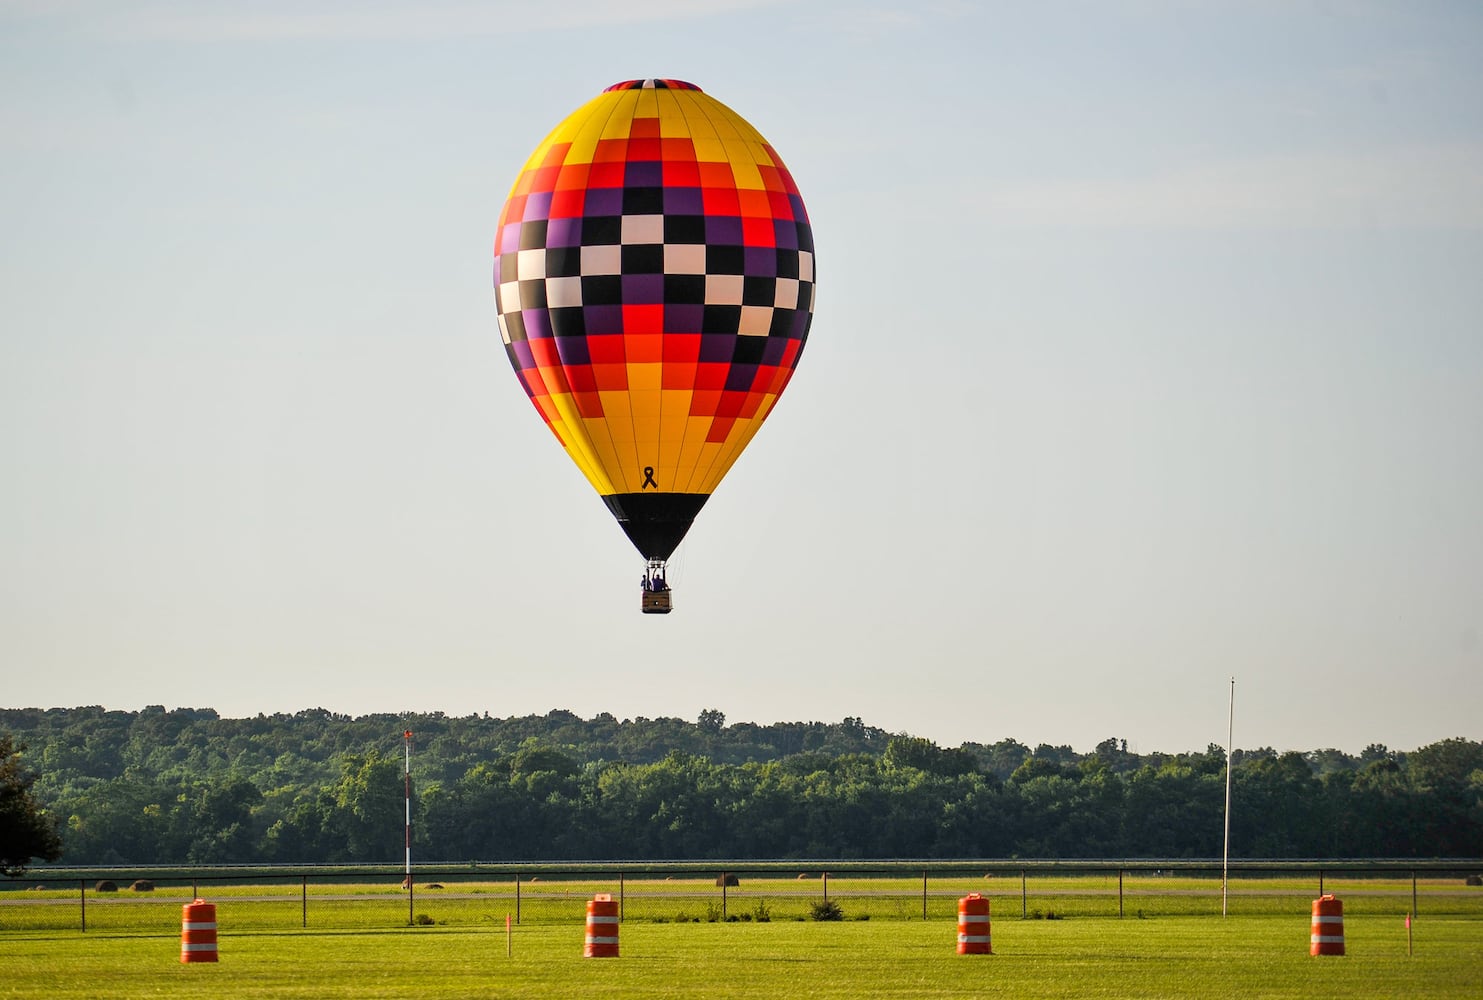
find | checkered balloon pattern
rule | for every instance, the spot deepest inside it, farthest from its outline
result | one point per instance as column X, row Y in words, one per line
column 654, row 279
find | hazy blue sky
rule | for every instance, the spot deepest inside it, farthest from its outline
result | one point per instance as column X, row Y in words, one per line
column 1148, row 351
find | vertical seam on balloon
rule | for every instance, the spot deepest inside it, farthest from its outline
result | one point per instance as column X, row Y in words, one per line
column 615, row 486
column 687, row 101
column 701, row 474
column 579, row 434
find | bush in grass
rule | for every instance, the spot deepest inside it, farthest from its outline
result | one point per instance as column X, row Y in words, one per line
column 761, row 913
column 423, row 920
column 105, row 885
column 1475, row 880
column 825, row 909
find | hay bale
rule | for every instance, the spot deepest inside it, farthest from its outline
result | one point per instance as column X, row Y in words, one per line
column 803, row 874
column 104, row 885
column 727, row 879
column 433, row 885
column 142, row 885
column 1475, row 880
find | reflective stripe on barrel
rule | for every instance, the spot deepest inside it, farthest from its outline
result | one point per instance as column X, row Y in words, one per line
column 973, row 925
column 602, row 927
column 198, row 932
column 1326, row 936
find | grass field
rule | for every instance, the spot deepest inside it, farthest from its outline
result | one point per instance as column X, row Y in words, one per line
column 288, row 904
column 1248, row 957
column 675, row 943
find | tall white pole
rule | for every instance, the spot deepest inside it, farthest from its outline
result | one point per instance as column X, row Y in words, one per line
column 1225, row 859
column 407, row 748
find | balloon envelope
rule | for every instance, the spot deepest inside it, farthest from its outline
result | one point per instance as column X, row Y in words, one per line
column 654, row 278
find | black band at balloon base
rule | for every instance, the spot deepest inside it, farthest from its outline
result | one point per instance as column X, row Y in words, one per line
column 655, row 522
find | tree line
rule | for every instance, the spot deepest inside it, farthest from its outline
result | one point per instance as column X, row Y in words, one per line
column 189, row 787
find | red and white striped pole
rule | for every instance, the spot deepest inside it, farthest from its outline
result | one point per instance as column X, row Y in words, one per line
column 407, row 747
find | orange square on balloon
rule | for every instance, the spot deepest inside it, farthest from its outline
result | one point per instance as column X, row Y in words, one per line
column 643, row 348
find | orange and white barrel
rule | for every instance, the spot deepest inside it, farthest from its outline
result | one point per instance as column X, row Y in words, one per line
column 602, row 927
column 198, row 931
column 1327, row 935
column 973, row 925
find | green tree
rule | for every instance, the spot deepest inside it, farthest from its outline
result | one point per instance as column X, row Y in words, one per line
column 26, row 832
column 368, row 818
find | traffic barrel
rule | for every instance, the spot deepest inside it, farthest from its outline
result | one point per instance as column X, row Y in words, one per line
column 198, row 931
column 602, row 927
column 973, row 925
column 1327, row 936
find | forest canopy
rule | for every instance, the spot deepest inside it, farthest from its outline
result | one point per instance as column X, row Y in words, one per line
column 190, row 787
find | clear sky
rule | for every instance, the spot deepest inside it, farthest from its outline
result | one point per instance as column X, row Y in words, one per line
column 1148, row 352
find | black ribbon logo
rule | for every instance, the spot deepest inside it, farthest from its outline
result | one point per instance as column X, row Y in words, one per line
column 649, row 478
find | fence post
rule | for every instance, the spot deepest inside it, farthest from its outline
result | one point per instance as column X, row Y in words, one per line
column 1024, row 900
column 826, row 887
column 620, row 899
column 82, row 897
column 1119, row 892
column 723, row 898
column 1320, row 881
column 517, row 897
column 924, row 894
column 304, row 903
column 1413, row 894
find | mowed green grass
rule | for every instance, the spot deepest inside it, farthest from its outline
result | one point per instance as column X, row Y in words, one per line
column 288, row 905
column 1181, row 956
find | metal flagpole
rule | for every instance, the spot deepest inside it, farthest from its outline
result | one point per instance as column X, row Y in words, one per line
column 1225, row 859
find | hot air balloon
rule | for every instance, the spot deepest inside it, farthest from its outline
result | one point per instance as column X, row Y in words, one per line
column 654, row 279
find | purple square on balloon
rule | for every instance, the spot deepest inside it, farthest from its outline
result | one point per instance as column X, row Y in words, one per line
column 760, row 262
column 643, row 289
column 643, row 173
column 683, row 318
column 717, row 347
column 739, row 378
column 603, row 319
column 509, row 237
column 573, row 351
column 683, row 201
column 603, row 201
column 564, row 233
column 723, row 230
column 537, row 323
column 538, row 205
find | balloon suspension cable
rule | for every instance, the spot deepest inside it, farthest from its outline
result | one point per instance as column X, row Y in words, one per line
column 654, row 581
